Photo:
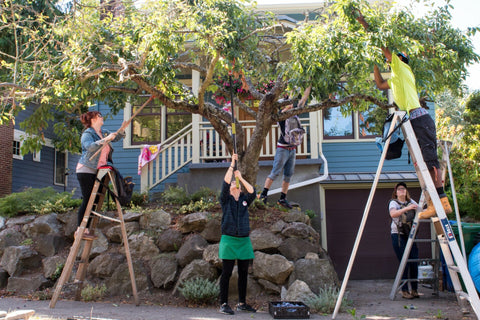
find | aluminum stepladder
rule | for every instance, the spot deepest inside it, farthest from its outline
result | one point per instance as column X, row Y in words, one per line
column 453, row 257
column 104, row 176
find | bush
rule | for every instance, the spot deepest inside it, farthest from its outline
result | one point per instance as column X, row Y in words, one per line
column 326, row 299
column 200, row 290
column 38, row 201
column 93, row 293
column 205, row 194
column 196, row 206
column 175, row 195
column 139, row 199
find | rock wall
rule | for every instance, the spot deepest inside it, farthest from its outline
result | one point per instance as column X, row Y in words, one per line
column 288, row 256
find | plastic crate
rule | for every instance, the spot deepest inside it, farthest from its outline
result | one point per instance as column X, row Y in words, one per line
column 288, row 310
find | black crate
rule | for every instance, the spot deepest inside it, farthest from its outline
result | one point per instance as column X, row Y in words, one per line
column 297, row 310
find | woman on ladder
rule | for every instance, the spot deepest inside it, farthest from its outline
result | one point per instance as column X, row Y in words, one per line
column 400, row 204
column 93, row 138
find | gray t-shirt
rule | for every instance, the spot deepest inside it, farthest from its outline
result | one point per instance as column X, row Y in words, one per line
column 395, row 205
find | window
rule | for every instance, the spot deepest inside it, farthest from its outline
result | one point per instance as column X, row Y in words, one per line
column 370, row 122
column 156, row 123
column 16, row 150
column 60, row 168
column 336, row 126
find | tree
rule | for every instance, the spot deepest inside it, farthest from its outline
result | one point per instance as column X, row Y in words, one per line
column 114, row 56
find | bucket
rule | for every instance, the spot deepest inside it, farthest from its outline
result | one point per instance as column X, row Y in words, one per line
column 425, row 271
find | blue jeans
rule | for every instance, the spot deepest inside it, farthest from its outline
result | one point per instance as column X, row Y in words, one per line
column 284, row 159
column 411, row 269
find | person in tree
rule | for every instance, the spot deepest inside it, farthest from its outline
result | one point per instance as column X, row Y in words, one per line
column 284, row 159
column 235, row 244
column 400, row 204
column 403, row 86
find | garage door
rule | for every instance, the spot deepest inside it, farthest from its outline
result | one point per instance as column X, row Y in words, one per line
column 375, row 258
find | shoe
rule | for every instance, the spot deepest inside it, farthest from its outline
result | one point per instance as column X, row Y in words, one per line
column 446, row 205
column 284, row 203
column 263, row 197
column 429, row 212
column 245, row 307
column 406, row 295
column 89, row 237
column 225, row 309
column 414, row 294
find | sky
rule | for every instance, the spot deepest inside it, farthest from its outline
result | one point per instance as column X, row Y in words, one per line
column 464, row 14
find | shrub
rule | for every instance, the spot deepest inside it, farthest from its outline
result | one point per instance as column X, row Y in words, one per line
column 175, row 195
column 205, row 194
column 139, row 199
column 38, row 201
column 199, row 290
column 196, row 206
column 326, row 299
column 93, row 293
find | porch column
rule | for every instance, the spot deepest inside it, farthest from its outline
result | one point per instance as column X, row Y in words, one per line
column 314, row 134
column 196, row 118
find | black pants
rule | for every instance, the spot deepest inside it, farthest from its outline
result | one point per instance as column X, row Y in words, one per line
column 86, row 181
column 242, row 279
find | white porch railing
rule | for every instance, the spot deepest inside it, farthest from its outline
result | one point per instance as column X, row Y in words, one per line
column 177, row 151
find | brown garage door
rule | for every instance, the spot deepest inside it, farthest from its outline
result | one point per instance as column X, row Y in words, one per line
column 375, row 258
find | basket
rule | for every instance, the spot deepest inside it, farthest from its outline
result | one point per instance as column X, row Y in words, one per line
column 288, row 310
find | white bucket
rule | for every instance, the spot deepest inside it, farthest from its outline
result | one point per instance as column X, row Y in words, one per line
column 425, row 272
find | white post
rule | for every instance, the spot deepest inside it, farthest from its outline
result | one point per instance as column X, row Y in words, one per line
column 196, row 120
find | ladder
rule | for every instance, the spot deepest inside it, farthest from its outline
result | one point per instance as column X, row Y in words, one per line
column 104, row 176
column 448, row 244
column 453, row 257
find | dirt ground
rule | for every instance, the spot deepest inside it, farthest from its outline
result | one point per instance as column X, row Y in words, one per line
column 370, row 299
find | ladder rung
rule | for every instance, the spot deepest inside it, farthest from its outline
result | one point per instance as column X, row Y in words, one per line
column 425, row 240
column 454, row 268
column 423, row 259
column 105, row 217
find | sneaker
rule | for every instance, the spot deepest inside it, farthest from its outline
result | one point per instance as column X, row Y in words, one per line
column 414, row 294
column 225, row 309
column 406, row 295
column 263, row 197
column 245, row 307
column 284, row 203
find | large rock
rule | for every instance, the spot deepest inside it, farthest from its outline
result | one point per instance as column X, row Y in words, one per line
column 26, row 284
column 155, row 220
column 296, row 216
column 269, row 286
column 19, row 221
column 194, row 222
column 130, row 216
column 17, row 259
column 316, row 273
column 196, row 269
column 278, row 226
column 99, row 245
column 192, row 249
column 212, row 231
column 49, row 244
column 120, row 283
column 295, row 248
column 170, row 240
column 70, row 223
column 163, row 270
column 274, row 268
column 298, row 291
column 51, row 265
column 114, row 234
column 300, row 230
column 142, row 247
column 47, row 224
column 105, row 264
column 265, row 240
column 10, row 237
column 210, row 254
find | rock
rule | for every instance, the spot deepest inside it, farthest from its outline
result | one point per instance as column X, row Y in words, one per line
column 300, row 230
column 155, row 220
column 296, row 216
column 163, row 270
column 105, row 264
column 316, row 273
column 295, row 248
column 274, row 268
column 43, row 225
column 269, row 286
column 51, row 265
column 265, row 240
column 278, row 226
column 49, row 244
column 99, row 245
column 253, row 288
column 130, row 216
column 192, row 249
column 196, row 269
column 194, row 222
column 298, row 291
column 212, row 231
column 19, row 220
column 120, row 283
column 210, row 254
column 141, row 247
column 70, row 223
column 170, row 240
column 27, row 284
column 10, row 237
column 16, row 259
column 114, row 234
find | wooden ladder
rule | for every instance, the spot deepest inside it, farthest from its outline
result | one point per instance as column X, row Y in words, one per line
column 104, row 176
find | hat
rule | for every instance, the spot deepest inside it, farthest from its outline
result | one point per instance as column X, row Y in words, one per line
column 403, row 56
column 403, row 184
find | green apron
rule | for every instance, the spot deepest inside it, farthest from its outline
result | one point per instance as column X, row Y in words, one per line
column 233, row 248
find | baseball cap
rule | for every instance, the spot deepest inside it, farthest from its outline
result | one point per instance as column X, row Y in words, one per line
column 403, row 184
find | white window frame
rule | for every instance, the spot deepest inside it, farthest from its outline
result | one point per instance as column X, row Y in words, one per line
column 17, row 137
column 55, row 169
column 37, row 156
